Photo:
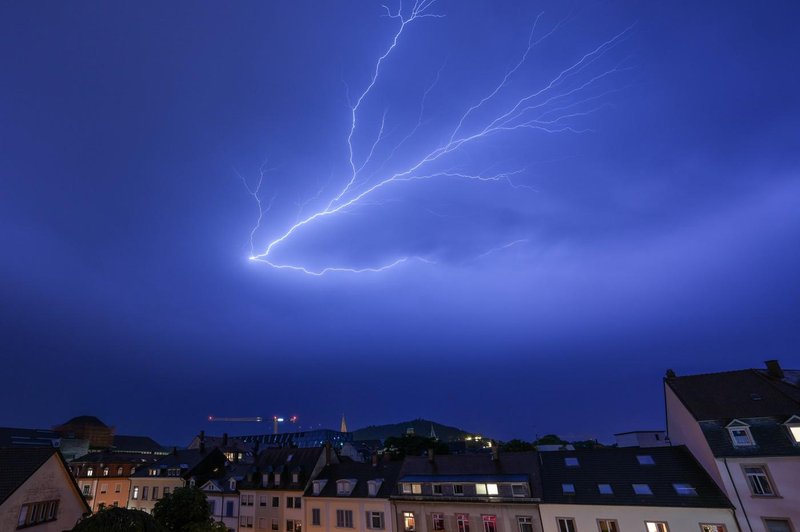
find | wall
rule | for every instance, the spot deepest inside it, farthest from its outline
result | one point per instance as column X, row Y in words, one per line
column 506, row 514
column 359, row 507
column 632, row 518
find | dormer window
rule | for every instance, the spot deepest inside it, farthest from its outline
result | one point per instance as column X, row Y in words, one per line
column 571, row 461
column 90, row 472
column 277, row 479
column 793, row 426
column 740, row 434
column 153, row 472
column 342, row 487
column 373, row 486
column 105, row 471
column 318, row 485
column 232, row 484
column 191, row 482
column 119, row 471
column 295, row 478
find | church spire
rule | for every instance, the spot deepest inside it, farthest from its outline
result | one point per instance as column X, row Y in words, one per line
column 343, row 428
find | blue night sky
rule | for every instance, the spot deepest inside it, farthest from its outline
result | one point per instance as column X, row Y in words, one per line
column 641, row 212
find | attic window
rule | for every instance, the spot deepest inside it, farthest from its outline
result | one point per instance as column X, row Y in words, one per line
column 740, row 434
column 318, row 485
column 232, row 484
column 685, row 489
column 295, row 478
column 568, row 489
column 605, row 489
column 645, row 459
column 518, row 490
column 793, row 425
column 373, row 486
column 277, row 478
column 571, row 461
column 342, row 487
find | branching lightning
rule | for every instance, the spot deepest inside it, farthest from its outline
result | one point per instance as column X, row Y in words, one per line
column 550, row 109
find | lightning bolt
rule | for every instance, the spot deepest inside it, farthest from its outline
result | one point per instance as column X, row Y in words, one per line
column 550, row 109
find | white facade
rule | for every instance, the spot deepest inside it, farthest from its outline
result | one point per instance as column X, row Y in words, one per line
column 636, row 518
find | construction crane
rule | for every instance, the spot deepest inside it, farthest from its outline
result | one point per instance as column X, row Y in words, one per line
column 278, row 419
column 256, row 419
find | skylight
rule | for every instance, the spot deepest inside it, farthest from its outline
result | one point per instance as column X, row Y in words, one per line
column 568, row 489
column 642, row 489
column 571, row 461
column 605, row 489
column 685, row 489
column 645, row 459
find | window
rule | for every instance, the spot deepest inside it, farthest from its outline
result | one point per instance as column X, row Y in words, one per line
column 518, row 490
column 740, row 434
column 793, row 426
column 344, row 519
column 486, row 489
column 656, row 526
column 105, row 471
column 293, row 526
column 276, row 502
column 153, row 472
column 375, row 520
column 295, row 478
column 297, row 502
column 605, row 489
column 262, row 501
column 37, row 512
column 777, row 525
column 489, row 523
column 90, row 472
column 645, row 459
column 438, row 521
column 565, row 524
column 145, row 492
column 274, row 524
column 568, row 489
column 525, row 523
column 117, row 488
column 458, row 489
column 155, row 493
column 642, row 489
column 409, row 522
column 571, row 461
column 166, row 490
column 462, row 522
column 758, row 480
column 290, row 502
column 607, row 525
column 685, row 489
column 246, row 521
column 135, row 495
column 103, row 488
column 211, row 505
column 343, row 487
column 713, row 528
column 119, row 471
column 316, row 518
column 373, row 486
column 437, row 489
column 228, row 507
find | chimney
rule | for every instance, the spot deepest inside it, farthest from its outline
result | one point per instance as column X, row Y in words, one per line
column 671, row 374
column 774, row 369
column 327, row 453
column 224, row 439
column 430, row 455
column 374, row 459
column 495, row 453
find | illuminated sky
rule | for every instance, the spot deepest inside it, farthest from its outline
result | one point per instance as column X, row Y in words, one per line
column 650, row 220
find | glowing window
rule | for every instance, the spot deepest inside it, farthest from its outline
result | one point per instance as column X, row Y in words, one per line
column 489, row 523
column 656, row 526
column 409, row 522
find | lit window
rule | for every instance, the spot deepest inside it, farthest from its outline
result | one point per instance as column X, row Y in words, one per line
column 605, row 489
column 713, row 528
column 645, row 459
column 758, row 480
column 416, row 489
column 525, row 523
column 462, row 522
column 793, row 425
column 571, row 461
column 489, row 523
column 607, row 525
column 87, row 489
column 685, row 489
column 565, row 524
column 568, row 489
column 105, row 471
column 642, row 489
column 438, row 521
column 656, row 526
column 409, row 522
column 90, row 472
column 136, row 492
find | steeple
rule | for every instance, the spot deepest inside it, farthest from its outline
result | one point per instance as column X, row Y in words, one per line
column 433, row 433
column 343, row 428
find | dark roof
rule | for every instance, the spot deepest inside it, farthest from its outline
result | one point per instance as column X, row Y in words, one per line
column 508, row 467
column 747, row 393
column 140, row 444
column 113, row 457
column 17, row 466
column 186, row 459
column 620, row 468
column 284, row 461
column 16, row 437
column 362, row 473
column 770, row 435
column 85, row 420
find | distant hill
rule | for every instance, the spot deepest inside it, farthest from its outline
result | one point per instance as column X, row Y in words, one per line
column 422, row 427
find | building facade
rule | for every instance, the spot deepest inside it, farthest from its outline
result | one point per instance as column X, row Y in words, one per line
column 744, row 428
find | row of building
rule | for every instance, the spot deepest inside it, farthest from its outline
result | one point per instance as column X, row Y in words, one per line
column 728, row 461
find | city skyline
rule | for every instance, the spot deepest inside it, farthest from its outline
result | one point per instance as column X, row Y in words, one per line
column 550, row 276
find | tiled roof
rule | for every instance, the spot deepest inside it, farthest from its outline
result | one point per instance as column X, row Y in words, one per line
column 506, row 465
column 186, row 459
column 769, row 434
column 17, row 466
column 745, row 393
column 362, row 473
column 285, row 461
column 621, row 469
column 140, row 444
column 111, row 457
column 16, row 437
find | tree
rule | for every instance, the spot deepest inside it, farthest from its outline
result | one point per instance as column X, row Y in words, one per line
column 119, row 520
column 550, row 439
column 185, row 510
column 399, row 447
column 516, row 446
